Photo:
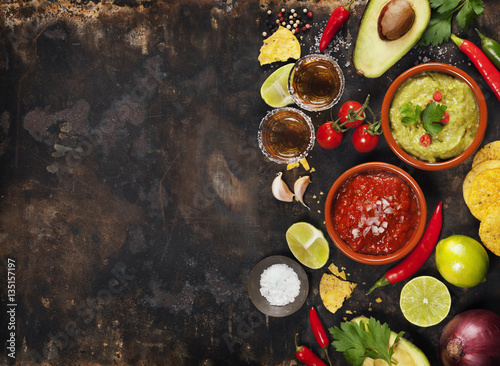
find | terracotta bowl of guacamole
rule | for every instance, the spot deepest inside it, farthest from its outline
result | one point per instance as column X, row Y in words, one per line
column 434, row 116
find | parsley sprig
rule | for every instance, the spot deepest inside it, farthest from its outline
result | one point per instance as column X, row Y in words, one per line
column 367, row 339
column 442, row 11
column 410, row 114
column 430, row 116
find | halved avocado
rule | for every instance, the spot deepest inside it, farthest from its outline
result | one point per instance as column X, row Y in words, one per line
column 405, row 352
column 388, row 30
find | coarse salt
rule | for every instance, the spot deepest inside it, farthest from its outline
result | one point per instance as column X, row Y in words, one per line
column 279, row 284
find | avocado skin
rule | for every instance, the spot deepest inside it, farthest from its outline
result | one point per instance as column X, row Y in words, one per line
column 373, row 56
column 417, row 356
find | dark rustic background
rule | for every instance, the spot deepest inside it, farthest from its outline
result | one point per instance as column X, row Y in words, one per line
column 134, row 199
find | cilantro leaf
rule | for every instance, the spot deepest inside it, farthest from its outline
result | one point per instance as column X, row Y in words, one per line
column 349, row 335
column 355, row 356
column 439, row 28
column 409, row 114
column 431, row 114
column 350, row 342
column 433, row 128
column 469, row 13
column 367, row 339
column 478, row 6
column 444, row 6
column 378, row 332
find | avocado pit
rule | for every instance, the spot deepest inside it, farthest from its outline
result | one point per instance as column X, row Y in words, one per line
column 395, row 20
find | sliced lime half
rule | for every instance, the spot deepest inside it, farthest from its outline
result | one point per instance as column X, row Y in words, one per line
column 308, row 245
column 425, row 301
column 274, row 91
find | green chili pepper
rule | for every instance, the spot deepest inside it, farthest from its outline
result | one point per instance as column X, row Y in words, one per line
column 491, row 48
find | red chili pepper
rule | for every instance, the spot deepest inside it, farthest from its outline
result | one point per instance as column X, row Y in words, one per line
column 446, row 117
column 425, row 140
column 336, row 21
column 418, row 256
column 319, row 332
column 489, row 72
column 306, row 356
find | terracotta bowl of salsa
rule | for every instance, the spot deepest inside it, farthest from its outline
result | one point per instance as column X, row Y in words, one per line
column 375, row 213
column 451, row 139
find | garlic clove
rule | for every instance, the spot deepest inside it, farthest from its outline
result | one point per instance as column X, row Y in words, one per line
column 300, row 187
column 280, row 190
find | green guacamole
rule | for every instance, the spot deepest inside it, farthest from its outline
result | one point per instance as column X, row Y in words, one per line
column 457, row 133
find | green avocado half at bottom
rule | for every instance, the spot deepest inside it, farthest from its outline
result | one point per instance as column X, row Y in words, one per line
column 373, row 55
column 405, row 352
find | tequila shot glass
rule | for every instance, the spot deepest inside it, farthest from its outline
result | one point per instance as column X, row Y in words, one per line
column 316, row 82
column 286, row 135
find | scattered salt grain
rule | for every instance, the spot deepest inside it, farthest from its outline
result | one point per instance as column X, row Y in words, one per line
column 279, row 284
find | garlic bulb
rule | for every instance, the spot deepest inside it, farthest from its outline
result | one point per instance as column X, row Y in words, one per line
column 300, row 187
column 280, row 190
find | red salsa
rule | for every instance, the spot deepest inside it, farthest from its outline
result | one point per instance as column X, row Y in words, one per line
column 376, row 212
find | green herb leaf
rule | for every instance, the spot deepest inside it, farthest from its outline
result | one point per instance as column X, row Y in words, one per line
column 349, row 341
column 439, row 28
column 358, row 341
column 432, row 114
column 409, row 114
column 377, row 332
column 477, row 6
column 469, row 13
column 445, row 6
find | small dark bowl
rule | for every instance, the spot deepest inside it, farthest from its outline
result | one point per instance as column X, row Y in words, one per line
column 260, row 301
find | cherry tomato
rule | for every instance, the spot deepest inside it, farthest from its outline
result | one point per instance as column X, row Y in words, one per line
column 328, row 136
column 363, row 140
column 348, row 114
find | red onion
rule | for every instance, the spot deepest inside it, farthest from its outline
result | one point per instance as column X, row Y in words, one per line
column 471, row 338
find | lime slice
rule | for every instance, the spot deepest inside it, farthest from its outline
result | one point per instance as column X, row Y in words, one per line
column 425, row 301
column 308, row 245
column 274, row 91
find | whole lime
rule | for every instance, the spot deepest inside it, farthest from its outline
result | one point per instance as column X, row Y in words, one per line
column 462, row 261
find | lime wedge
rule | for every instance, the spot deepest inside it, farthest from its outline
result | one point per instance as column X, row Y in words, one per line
column 308, row 245
column 425, row 301
column 274, row 91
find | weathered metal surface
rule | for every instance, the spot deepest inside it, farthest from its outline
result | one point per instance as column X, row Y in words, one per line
column 134, row 199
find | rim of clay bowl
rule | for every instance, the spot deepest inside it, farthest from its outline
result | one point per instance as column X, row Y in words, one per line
column 376, row 259
column 446, row 69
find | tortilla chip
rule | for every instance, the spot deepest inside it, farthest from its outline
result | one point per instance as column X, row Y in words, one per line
column 305, row 164
column 475, row 171
column 280, row 46
column 335, row 270
column 484, row 191
column 489, row 151
column 334, row 291
column 489, row 229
